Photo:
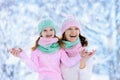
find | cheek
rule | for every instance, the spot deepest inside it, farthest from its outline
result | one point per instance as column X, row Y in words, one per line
column 43, row 34
column 67, row 34
column 77, row 32
column 67, row 37
column 53, row 33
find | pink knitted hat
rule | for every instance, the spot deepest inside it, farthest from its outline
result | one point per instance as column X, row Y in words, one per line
column 68, row 23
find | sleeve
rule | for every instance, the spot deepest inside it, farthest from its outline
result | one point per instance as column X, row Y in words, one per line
column 30, row 61
column 69, row 61
column 87, row 71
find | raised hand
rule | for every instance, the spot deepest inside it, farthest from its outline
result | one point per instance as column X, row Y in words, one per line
column 15, row 52
column 85, row 56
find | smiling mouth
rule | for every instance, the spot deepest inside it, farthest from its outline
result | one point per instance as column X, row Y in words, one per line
column 73, row 36
column 48, row 35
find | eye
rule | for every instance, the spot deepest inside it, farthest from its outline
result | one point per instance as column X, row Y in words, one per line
column 76, row 28
column 69, row 28
column 44, row 30
column 51, row 29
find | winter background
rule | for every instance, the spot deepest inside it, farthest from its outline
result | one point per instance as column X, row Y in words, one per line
column 100, row 23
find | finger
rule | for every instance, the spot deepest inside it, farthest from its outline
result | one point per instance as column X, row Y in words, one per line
column 93, row 52
column 12, row 52
column 90, row 53
column 16, row 52
column 13, row 49
column 19, row 49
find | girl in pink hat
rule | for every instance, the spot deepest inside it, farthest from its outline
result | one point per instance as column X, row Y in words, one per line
column 74, row 43
column 47, row 55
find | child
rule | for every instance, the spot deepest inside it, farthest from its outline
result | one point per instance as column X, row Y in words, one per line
column 47, row 54
column 73, row 43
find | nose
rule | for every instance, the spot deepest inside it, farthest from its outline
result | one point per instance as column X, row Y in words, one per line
column 73, row 31
column 49, row 32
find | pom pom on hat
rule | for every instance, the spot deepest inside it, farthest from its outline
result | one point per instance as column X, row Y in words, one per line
column 46, row 23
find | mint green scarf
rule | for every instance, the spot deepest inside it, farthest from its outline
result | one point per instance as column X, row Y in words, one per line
column 49, row 48
column 69, row 44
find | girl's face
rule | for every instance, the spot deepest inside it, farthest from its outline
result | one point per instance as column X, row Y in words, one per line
column 48, row 32
column 72, row 33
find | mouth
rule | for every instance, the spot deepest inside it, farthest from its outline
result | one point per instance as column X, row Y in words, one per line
column 73, row 36
column 48, row 35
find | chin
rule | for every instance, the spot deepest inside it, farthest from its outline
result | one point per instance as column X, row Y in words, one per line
column 73, row 40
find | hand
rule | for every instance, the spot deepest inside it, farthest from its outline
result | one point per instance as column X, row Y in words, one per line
column 86, row 55
column 15, row 52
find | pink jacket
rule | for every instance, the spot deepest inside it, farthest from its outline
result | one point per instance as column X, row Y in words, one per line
column 48, row 65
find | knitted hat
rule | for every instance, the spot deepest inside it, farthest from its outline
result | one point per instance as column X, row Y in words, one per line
column 68, row 23
column 46, row 23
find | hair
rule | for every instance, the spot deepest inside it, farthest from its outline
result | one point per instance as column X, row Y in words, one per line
column 83, row 41
column 36, row 44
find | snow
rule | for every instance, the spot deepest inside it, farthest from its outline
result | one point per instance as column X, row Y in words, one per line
column 99, row 21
